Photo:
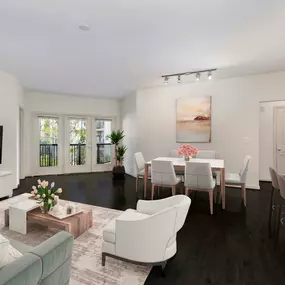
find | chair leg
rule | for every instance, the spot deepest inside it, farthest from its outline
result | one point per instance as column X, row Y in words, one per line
column 103, row 259
column 137, row 183
column 215, row 195
column 278, row 225
column 173, row 190
column 211, row 202
column 270, row 211
column 163, row 269
column 243, row 189
column 152, row 191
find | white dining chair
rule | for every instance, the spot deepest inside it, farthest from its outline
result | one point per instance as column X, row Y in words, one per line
column 173, row 153
column 199, row 177
column 140, row 164
column 206, row 154
column 281, row 183
column 163, row 174
column 239, row 179
column 275, row 186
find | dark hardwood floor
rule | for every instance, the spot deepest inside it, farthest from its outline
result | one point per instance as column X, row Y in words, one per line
column 230, row 247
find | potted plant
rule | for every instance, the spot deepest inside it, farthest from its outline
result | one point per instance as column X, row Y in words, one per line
column 120, row 150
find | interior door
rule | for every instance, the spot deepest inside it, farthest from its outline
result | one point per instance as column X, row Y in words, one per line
column 102, row 149
column 279, row 113
column 78, row 145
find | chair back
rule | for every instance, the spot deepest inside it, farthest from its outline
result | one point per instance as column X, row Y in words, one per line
column 139, row 160
column 173, row 153
column 209, row 154
column 274, row 178
column 281, row 183
column 243, row 172
column 163, row 173
column 199, row 175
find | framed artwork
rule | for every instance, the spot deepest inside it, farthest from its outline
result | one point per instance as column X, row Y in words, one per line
column 193, row 119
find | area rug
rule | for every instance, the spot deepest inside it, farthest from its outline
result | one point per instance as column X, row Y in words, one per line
column 86, row 259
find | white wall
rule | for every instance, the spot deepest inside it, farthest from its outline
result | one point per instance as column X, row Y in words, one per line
column 266, row 138
column 129, row 125
column 235, row 117
column 49, row 104
column 11, row 99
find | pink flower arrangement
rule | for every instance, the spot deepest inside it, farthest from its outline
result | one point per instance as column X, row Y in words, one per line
column 187, row 150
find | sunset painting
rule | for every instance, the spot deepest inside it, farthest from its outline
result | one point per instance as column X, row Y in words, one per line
column 193, row 119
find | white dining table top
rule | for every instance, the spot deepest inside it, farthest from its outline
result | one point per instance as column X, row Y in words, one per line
column 178, row 161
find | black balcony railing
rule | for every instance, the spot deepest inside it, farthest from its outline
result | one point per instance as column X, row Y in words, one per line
column 77, row 154
column 48, row 155
column 103, row 153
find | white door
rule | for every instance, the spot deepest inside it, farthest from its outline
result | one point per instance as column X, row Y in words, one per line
column 77, row 144
column 102, row 150
column 48, row 145
column 279, row 114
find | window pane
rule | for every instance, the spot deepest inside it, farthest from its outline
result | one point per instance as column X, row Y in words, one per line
column 77, row 141
column 103, row 130
column 48, row 141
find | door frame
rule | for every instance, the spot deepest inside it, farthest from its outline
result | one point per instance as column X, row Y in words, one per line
column 275, row 109
column 37, row 170
column 87, row 167
column 108, row 166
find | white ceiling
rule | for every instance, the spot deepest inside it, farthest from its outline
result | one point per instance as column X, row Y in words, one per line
column 131, row 42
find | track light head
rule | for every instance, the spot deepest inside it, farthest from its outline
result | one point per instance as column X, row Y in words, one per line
column 179, row 79
column 166, row 80
column 210, row 75
column 197, row 76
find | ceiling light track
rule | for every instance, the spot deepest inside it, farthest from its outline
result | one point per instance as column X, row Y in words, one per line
column 198, row 74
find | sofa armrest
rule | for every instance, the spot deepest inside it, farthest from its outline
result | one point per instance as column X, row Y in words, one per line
column 55, row 253
column 25, row 270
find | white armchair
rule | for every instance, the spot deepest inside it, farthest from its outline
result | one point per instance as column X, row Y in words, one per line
column 148, row 234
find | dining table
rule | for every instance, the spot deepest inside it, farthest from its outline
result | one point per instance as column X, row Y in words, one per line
column 179, row 164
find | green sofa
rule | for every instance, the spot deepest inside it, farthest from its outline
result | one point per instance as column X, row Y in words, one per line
column 46, row 264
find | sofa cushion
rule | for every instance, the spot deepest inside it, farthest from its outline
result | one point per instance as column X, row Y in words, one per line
column 109, row 232
column 8, row 252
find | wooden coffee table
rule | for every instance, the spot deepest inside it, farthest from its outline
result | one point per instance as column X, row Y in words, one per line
column 77, row 224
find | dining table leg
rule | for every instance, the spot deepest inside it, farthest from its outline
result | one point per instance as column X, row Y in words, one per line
column 145, row 180
column 223, row 188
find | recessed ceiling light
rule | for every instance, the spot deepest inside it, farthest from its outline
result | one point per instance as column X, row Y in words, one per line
column 84, row 27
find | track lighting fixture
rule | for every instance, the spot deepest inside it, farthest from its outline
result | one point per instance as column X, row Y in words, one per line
column 198, row 74
column 179, row 79
column 210, row 75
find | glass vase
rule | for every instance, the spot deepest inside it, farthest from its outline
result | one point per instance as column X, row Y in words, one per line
column 186, row 158
column 44, row 208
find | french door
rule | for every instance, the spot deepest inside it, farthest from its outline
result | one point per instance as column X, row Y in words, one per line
column 102, row 149
column 73, row 144
column 77, row 145
column 48, row 147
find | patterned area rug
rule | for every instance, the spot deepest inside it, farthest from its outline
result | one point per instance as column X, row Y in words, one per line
column 86, row 260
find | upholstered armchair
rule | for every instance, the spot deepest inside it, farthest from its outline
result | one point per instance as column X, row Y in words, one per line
column 146, row 235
